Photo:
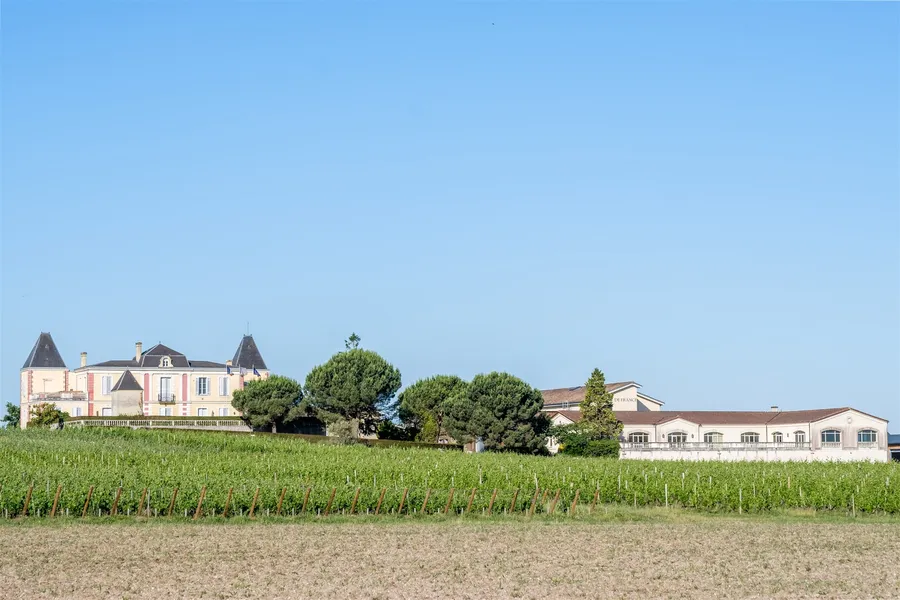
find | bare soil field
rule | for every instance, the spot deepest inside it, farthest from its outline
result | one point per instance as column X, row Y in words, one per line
column 708, row 558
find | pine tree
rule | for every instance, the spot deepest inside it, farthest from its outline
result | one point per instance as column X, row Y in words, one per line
column 597, row 408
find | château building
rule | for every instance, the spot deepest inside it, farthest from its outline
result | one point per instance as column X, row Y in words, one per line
column 159, row 381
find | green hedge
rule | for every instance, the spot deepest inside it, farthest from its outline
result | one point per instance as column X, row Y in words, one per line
column 316, row 439
column 374, row 443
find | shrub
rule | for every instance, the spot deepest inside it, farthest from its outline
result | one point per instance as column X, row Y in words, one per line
column 585, row 443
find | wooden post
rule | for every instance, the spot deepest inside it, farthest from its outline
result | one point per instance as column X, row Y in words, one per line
column 402, row 500
column 471, row 500
column 253, row 504
column 87, row 501
column 172, row 502
column 380, row 498
column 55, row 501
column 305, row 499
column 280, row 501
column 853, row 504
column 227, row 502
column 534, row 498
column 512, row 505
column 544, row 497
column 425, row 503
column 555, row 500
column 574, row 504
column 449, row 501
column 27, row 500
column 199, row 510
column 330, row 500
column 115, row 506
column 594, row 502
column 355, row 498
column 491, row 503
column 141, row 503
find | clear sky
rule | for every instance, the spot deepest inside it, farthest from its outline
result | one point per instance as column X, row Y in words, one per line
column 703, row 198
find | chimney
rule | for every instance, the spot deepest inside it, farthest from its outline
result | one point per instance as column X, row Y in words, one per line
column 774, row 408
column 137, row 351
column 84, row 359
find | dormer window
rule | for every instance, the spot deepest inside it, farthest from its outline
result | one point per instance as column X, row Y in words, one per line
column 165, row 362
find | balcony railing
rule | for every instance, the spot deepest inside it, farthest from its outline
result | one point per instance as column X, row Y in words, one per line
column 199, row 423
column 717, row 446
column 166, row 398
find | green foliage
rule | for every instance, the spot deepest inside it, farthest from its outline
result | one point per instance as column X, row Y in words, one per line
column 355, row 385
column 502, row 410
column 107, row 458
column 597, row 409
column 46, row 415
column 430, row 431
column 270, row 403
column 388, row 430
column 352, row 342
column 11, row 418
column 578, row 441
column 421, row 405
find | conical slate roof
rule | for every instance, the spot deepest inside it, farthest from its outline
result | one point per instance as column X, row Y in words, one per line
column 247, row 355
column 127, row 382
column 44, row 355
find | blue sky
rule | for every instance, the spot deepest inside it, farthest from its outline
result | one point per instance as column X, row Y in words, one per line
column 700, row 197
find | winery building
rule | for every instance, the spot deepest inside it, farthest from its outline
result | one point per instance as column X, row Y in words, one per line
column 836, row 434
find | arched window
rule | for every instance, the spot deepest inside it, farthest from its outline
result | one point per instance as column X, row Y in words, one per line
column 712, row 437
column 867, row 437
column 165, row 362
column 831, row 438
column 677, row 438
column 799, row 438
column 638, row 437
column 750, row 437
column 777, row 437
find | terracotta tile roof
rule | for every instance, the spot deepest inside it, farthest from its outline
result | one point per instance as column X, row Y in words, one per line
column 574, row 395
column 572, row 415
column 721, row 417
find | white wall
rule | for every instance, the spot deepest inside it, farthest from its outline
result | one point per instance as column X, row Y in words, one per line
column 781, row 454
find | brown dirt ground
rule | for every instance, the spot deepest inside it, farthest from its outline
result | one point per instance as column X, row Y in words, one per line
column 711, row 559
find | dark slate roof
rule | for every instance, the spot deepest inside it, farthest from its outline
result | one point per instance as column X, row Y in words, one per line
column 247, row 355
column 151, row 357
column 116, row 363
column 207, row 364
column 44, row 354
column 894, row 439
column 127, row 382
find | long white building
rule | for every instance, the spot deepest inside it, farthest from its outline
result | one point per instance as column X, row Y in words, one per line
column 839, row 434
